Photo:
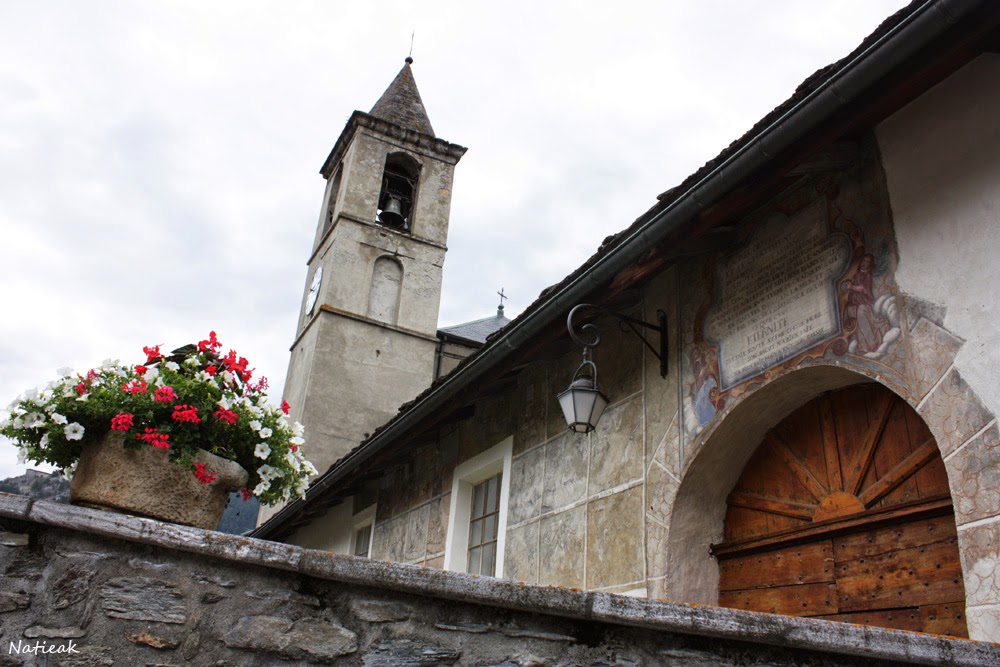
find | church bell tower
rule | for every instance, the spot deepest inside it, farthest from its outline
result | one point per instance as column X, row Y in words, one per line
column 366, row 335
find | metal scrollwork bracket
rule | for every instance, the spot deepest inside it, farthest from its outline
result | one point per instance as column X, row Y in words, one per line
column 588, row 336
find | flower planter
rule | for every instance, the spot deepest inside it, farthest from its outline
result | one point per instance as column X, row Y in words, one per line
column 144, row 482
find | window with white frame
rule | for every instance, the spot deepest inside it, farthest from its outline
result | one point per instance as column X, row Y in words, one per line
column 478, row 524
column 362, row 525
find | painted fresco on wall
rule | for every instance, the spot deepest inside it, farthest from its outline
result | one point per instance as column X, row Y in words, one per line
column 811, row 280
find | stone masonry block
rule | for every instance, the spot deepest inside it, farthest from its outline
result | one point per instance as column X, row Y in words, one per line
column 565, row 471
column 521, row 554
column 562, row 548
column 979, row 547
column 616, row 447
column 934, row 349
column 953, row 412
column 614, row 539
column 974, row 473
column 526, row 477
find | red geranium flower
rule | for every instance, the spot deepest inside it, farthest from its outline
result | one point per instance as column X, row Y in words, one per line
column 202, row 475
column 81, row 389
column 227, row 416
column 122, row 421
column 211, row 344
column 211, row 370
column 152, row 353
column 165, row 394
column 155, row 438
column 285, row 407
column 245, row 494
column 140, row 370
column 186, row 413
column 135, row 387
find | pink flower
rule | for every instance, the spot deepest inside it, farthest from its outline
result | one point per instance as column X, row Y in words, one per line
column 227, row 416
column 165, row 394
column 122, row 421
column 202, row 475
column 245, row 494
column 186, row 413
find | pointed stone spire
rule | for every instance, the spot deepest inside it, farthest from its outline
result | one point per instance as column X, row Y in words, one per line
column 401, row 103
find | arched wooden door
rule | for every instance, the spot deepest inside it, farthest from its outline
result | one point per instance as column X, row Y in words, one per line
column 844, row 513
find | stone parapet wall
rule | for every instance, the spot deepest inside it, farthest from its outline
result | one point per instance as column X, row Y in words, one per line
column 132, row 591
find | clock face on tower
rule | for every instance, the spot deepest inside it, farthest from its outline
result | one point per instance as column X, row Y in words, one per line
column 314, row 290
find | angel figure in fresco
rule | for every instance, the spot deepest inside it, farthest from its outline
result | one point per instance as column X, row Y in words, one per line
column 872, row 319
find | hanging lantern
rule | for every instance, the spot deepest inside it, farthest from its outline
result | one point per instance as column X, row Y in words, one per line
column 583, row 403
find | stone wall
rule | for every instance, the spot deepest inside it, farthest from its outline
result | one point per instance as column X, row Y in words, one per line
column 120, row 590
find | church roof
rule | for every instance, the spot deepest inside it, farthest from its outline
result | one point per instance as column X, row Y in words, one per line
column 476, row 331
column 401, row 103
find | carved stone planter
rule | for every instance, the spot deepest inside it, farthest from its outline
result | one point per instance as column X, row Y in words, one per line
column 144, row 482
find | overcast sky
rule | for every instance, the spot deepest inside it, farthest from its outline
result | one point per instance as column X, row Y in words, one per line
column 158, row 160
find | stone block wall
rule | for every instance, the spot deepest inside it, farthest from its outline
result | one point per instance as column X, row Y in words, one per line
column 576, row 501
column 81, row 587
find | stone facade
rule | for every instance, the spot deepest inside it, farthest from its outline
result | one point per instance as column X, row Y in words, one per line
column 118, row 590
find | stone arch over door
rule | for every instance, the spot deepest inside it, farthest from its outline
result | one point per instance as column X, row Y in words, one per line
column 967, row 436
column 386, row 285
column 844, row 513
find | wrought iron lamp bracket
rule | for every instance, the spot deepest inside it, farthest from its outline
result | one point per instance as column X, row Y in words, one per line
column 591, row 336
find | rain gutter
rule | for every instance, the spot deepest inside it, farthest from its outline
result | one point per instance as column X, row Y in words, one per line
column 923, row 25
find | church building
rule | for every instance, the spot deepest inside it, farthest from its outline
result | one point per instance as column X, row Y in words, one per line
column 779, row 381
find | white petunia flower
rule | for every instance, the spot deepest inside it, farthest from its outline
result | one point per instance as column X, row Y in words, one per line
column 298, row 429
column 266, row 433
column 151, row 374
column 309, row 467
column 34, row 420
column 261, row 488
column 224, row 403
column 83, row 397
column 262, row 450
column 255, row 425
column 22, row 455
column 74, row 431
column 293, row 460
column 297, row 440
column 44, row 441
column 58, row 418
column 65, row 371
column 17, row 422
column 173, row 365
column 227, row 376
column 255, row 411
column 109, row 363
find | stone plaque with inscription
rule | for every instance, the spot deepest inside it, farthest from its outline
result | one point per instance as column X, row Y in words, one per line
column 776, row 296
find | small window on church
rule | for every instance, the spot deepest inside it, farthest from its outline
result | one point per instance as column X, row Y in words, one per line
column 477, row 524
column 483, row 525
column 399, row 191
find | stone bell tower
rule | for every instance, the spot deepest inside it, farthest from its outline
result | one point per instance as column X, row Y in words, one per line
column 366, row 335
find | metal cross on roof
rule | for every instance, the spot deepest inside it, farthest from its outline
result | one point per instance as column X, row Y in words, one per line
column 502, row 297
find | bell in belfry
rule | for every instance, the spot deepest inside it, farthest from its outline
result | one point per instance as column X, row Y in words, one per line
column 392, row 214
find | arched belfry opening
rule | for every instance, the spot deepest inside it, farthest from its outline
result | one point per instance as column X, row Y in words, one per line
column 398, row 195
column 843, row 512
